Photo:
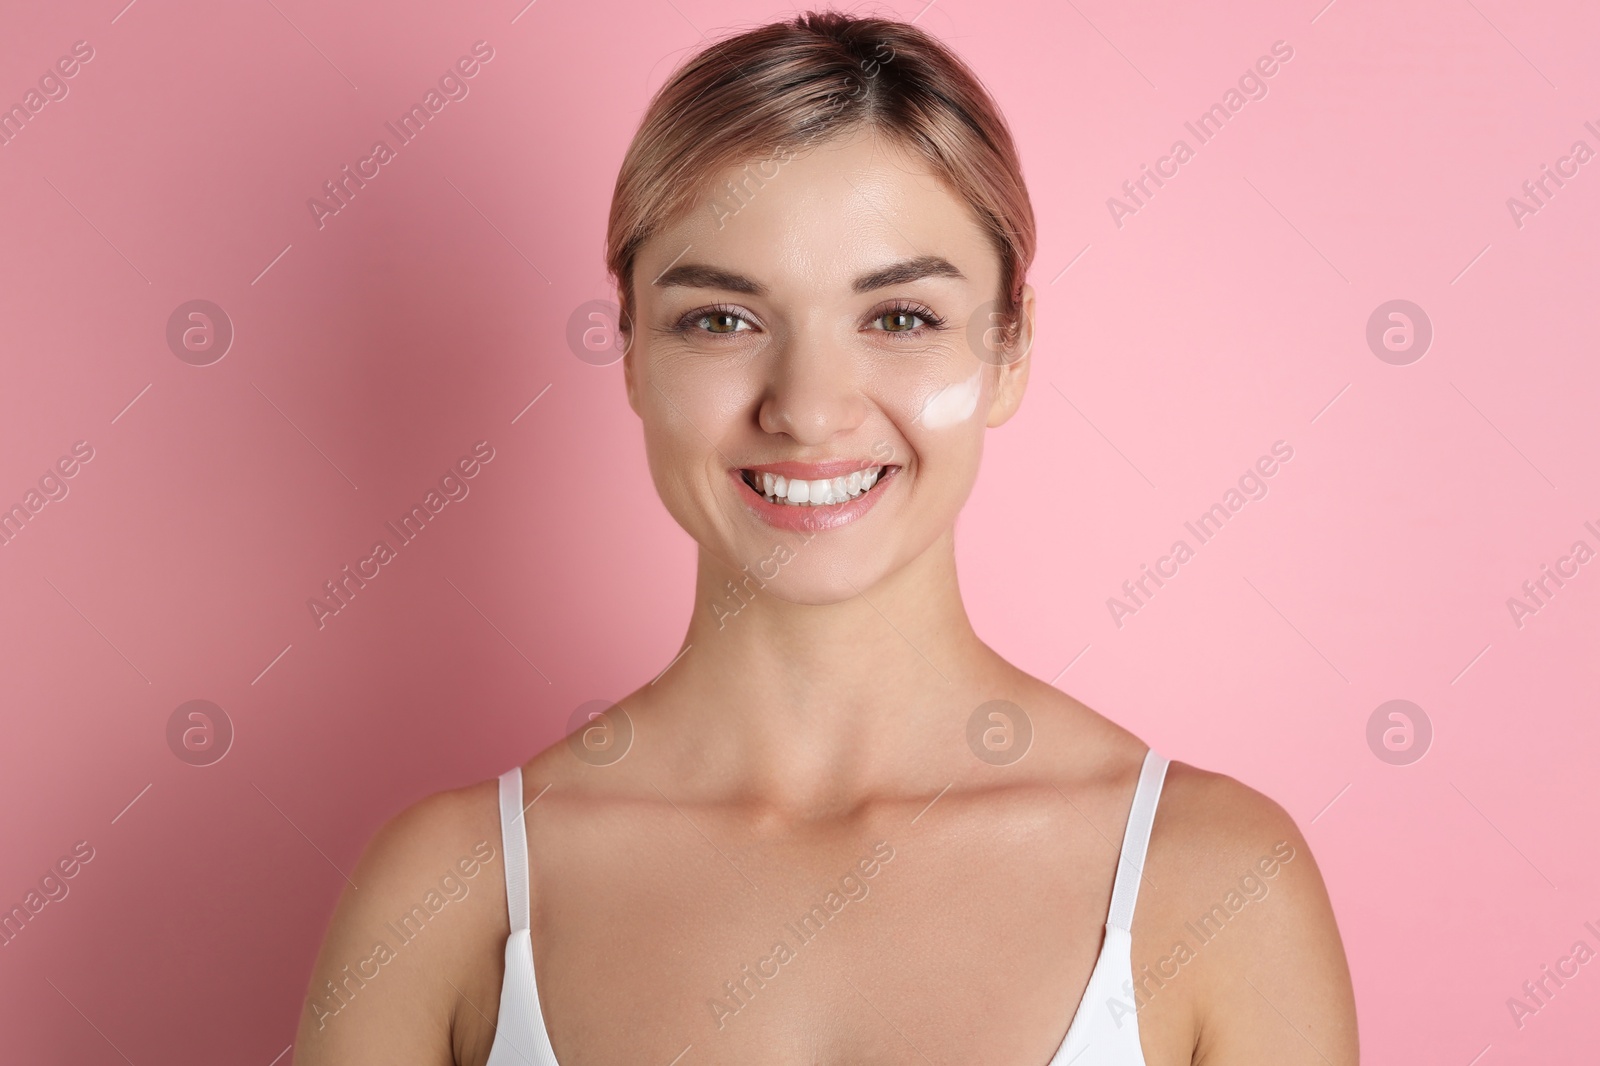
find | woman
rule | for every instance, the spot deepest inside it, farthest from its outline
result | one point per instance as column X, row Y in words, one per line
column 837, row 827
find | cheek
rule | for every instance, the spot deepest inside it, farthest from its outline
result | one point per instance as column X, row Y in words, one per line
column 951, row 404
column 688, row 401
column 686, row 406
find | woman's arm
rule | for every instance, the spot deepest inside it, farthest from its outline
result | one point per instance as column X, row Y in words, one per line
column 417, row 924
column 1278, row 988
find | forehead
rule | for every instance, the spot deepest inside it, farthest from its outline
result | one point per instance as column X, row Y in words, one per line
column 824, row 218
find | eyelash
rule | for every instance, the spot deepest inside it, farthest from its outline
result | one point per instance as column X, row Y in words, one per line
column 930, row 321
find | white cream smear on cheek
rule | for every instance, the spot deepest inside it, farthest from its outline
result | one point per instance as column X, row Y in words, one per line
column 953, row 403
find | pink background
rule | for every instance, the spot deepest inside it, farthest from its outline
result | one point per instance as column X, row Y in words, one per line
column 1228, row 313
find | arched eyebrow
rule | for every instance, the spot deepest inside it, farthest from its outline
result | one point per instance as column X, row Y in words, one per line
column 701, row 276
column 908, row 270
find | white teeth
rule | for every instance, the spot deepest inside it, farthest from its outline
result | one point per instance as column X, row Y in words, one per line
column 797, row 492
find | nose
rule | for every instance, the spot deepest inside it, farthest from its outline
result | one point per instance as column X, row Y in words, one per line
column 814, row 393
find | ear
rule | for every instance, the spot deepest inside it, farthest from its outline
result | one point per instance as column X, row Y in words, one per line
column 630, row 342
column 1012, row 374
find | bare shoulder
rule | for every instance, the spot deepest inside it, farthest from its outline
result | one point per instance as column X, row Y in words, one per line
column 433, row 826
column 419, row 922
column 1240, row 919
column 1236, row 953
column 1214, row 822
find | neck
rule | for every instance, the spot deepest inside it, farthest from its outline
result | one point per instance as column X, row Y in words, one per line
column 797, row 702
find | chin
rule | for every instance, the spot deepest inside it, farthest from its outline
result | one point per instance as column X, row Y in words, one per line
column 822, row 588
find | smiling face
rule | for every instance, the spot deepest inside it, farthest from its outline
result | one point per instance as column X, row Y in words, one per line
column 797, row 342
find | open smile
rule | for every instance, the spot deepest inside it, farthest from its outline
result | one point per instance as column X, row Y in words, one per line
column 822, row 492
column 813, row 497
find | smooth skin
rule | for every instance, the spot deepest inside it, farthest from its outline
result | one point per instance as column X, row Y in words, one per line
column 827, row 716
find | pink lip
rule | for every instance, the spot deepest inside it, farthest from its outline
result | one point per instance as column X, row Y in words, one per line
column 815, row 471
column 806, row 518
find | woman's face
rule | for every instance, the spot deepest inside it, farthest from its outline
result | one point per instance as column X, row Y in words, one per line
column 823, row 326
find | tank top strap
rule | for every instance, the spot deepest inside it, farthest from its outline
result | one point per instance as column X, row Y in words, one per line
column 514, row 844
column 1136, row 840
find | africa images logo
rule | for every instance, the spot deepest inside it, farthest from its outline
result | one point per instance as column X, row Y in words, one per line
column 341, row 591
column 453, row 85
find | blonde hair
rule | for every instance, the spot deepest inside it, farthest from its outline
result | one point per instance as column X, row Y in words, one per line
column 795, row 83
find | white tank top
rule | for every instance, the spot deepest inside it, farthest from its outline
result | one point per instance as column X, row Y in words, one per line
column 1104, row 1030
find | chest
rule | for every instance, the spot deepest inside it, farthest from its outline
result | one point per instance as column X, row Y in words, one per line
column 878, row 940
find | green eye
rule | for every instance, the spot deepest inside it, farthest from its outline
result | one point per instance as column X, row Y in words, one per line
column 718, row 321
column 722, row 322
column 907, row 318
